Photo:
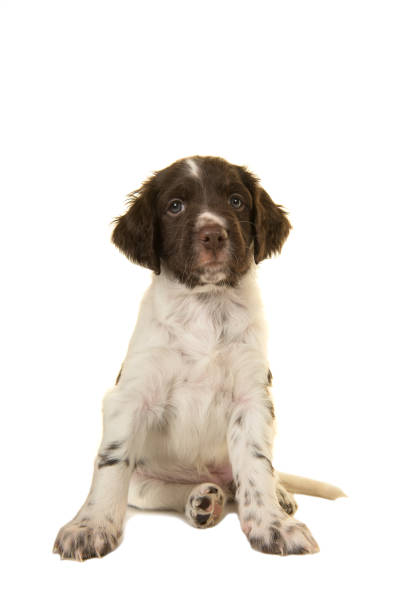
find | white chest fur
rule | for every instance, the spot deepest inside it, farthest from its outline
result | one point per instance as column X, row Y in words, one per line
column 196, row 354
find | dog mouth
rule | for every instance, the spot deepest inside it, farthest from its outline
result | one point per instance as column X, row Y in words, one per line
column 208, row 259
column 212, row 265
column 212, row 272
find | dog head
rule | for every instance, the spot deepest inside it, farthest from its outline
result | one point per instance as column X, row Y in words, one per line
column 204, row 220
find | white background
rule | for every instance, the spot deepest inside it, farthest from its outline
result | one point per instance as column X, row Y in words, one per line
column 312, row 96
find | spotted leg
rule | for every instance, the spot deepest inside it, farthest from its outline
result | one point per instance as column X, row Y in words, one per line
column 97, row 528
column 268, row 527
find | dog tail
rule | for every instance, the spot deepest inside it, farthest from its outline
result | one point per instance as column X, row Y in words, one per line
column 307, row 486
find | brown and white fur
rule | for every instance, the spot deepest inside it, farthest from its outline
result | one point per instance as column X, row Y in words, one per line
column 190, row 422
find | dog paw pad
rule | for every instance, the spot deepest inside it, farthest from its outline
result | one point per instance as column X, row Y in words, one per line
column 205, row 505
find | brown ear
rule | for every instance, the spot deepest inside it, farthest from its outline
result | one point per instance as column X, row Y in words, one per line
column 135, row 231
column 271, row 226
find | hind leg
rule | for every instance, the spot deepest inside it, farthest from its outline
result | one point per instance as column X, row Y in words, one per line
column 202, row 504
column 155, row 494
column 286, row 499
column 205, row 505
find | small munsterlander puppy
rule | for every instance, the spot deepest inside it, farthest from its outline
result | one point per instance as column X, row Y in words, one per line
column 190, row 422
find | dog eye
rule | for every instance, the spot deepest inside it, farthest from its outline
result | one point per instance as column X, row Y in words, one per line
column 235, row 201
column 175, row 207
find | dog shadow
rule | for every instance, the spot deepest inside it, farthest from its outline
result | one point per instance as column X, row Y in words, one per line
column 229, row 508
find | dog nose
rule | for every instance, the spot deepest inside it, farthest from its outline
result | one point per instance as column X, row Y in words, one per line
column 212, row 237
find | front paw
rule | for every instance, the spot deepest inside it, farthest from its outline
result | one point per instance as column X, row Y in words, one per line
column 279, row 536
column 81, row 540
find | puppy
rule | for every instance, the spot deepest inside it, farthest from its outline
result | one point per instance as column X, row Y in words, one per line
column 190, row 421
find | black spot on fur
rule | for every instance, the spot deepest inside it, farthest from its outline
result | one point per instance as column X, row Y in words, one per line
column 231, row 489
column 237, row 484
column 204, row 502
column 238, row 421
column 114, row 446
column 258, row 499
column 202, row 519
column 139, row 463
column 269, row 406
column 267, row 461
column 106, row 461
column 300, row 550
column 272, row 545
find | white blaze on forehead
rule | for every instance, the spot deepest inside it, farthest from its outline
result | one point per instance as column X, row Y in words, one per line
column 195, row 170
column 209, row 217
